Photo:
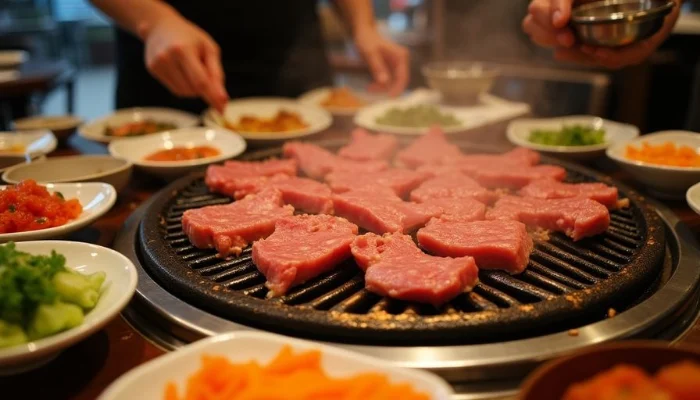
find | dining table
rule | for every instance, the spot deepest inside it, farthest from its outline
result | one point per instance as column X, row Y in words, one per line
column 83, row 371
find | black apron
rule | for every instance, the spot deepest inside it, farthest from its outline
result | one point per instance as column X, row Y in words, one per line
column 268, row 48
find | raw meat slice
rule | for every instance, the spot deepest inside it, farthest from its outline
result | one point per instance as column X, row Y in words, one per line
column 301, row 248
column 303, row 194
column 229, row 228
column 396, row 268
column 431, row 148
column 316, row 161
column 380, row 210
column 551, row 189
column 459, row 209
column 236, row 176
column 493, row 244
column 504, row 176
column 263, row 168
column 519, row 156
column 452, row 185
column 366, row 147
column 400, row 180
column 576, row 217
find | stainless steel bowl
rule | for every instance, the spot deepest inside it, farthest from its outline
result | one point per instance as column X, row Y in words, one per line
column 616, row 23
column 460, row 83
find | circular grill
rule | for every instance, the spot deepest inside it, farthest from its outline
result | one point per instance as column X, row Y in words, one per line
column 566, row 284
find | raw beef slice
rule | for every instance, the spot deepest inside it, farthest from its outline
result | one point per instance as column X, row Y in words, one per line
column 301, row 248
column 551, row 189
column 451, row 185
column 229, row 228
column 316, row 162
column 429, row 149
column 400, row 180
column 366, row 147
column 501, row 245
column 459, row 209
column 578, row 217
column 398, row 269
column 235, row 176
column 302, row 193
column 380, row 210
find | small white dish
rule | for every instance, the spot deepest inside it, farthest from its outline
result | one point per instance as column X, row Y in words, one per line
column 108, row 169
column 95, row 130
column 12, row 58
column 30, row 143
column 519, row 131
column 664, row 180
column 96, row 199
column 117, row 290
column 62, row 126
column 692, row 196
column 148, row 380
column 137, row 149
column 315, row 117
column 489, row 110
column 316, row 97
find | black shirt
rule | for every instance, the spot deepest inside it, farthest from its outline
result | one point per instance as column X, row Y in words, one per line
column 268, row 48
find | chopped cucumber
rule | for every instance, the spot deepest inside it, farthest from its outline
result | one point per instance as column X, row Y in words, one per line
column 50, row 319
column 78, row 289
column 11, row 334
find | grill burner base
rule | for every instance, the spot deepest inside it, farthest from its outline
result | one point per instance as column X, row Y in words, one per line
column 172, row 322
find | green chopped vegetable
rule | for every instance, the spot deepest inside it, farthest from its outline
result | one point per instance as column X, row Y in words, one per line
column 575, row 135
column 39, row 296
column 419, row 116
column 50, row 319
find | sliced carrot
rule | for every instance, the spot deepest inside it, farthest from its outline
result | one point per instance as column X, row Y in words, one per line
column 664, row 154
column 288, row 376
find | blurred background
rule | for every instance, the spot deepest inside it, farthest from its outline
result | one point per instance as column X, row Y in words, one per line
column 71, row 51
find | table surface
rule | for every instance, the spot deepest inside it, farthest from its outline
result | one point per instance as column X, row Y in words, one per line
column 86, row 369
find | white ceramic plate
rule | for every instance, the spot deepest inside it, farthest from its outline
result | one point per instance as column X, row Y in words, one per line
column 135, row 150
column 12, row 58
column 96, row 199
column 316, row 117
column 118, row 288
column 491, row 109
column 61, row 125
column 34, row 143
column 518, row 133
column 663, row 180
column 148, row 381
column 108, row 169
column 693, row 197
column 317, row 96
column 95, row 130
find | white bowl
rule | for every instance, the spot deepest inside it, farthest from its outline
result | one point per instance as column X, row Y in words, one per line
column 661, row 179
column 367, row 118
column 460, row 82
column 96, row 199
column 148, row 381
column 118, row 288
column 316, row 97
column 315, row 117
column 692, row 196
column 34, row 143
column 519, row 130
column 107, row 169
column 135, row 150
column 62, row 126
column 95, row 130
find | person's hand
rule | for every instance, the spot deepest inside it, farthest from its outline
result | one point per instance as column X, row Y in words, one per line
column 185, row 59
column 388, row 62
column 547, row 25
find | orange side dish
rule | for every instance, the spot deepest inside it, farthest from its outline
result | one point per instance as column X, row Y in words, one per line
column 30, row 207
column 342, row 98
column 183, row 154
column 664, row 154
column 283, row 121
column 288, row 377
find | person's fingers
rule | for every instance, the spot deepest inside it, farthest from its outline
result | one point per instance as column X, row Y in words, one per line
column 195, row 72
column 561, row 13
column 164, row 67
column 212, row 63
column 537, row 33
column 377, row 66
column 541, row 30
column 541, row 12
column 399, row 58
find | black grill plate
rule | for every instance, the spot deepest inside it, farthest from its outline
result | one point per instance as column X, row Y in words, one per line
column 566, row 285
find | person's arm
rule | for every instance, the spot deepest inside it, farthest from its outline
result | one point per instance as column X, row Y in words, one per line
column 178, row 53
column 388, row 62
column 547, row 25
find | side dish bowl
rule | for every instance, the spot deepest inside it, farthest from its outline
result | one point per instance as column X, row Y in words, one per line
column 96, row 129
column 117, row 290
